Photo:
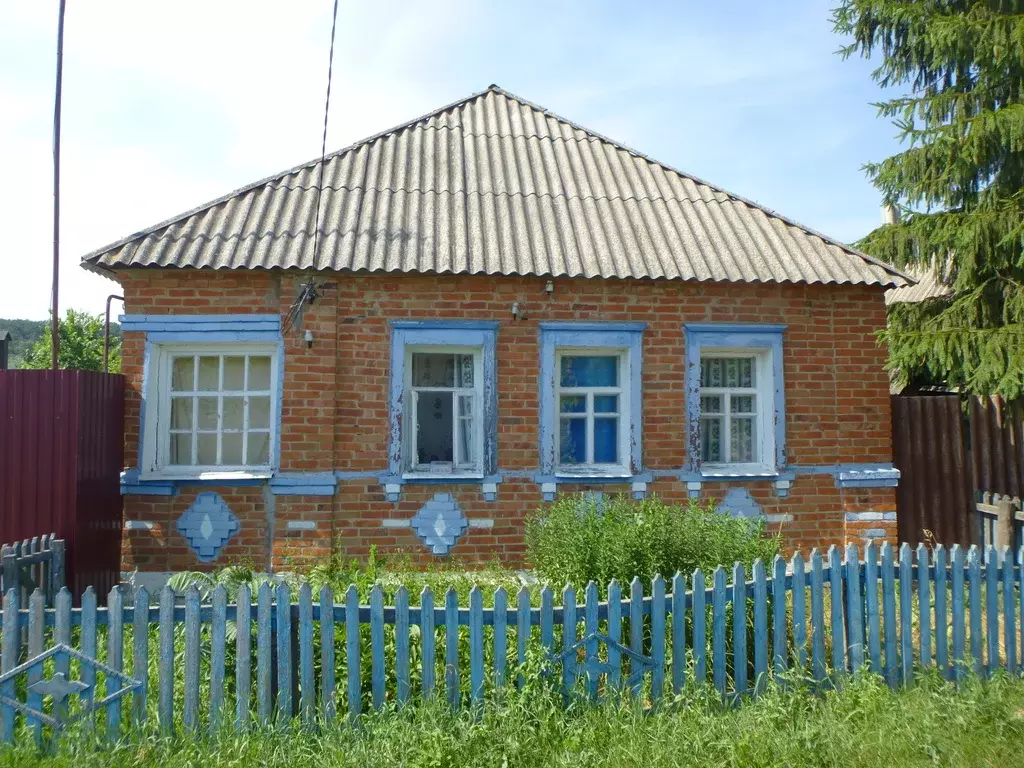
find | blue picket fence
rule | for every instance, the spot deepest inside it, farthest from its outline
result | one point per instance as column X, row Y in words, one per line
column 209, row 664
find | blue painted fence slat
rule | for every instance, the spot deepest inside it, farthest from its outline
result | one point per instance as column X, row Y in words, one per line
column 284, row 652
column 328, row 682
column 9, row 660
column 264, row 653
column 818, row 666
column 377, row 646
column 657, row 638
column 718, row 630
column 87, row 640
column 451, row 647
column 1009, row 612
column 590, row 623
column 522, row 632
column 854, row 609
column 799, row 610
column 547, row 612
column 837, row 620
column 636, row 634
column 739, row 628
column 115, row 660
column 991, row 610
column 941, row 601
column 615, row 633
column 871, row 616
column 568, row 639
column 428, row 640
column 352, row 660
column 924, row 606
column 307, row 686
column 476, row 646
column 906, row 615
column 191, row 714
column 959, row 625
column 243, row 656
column 165, row 702
column 36, row 639
column 678, row 631
column 402, row 666
column 780, row 652
column 889, row 612
column 974, row 598
column 218, row 651
column 700, row 641
column 760, row 627
column 500, row 636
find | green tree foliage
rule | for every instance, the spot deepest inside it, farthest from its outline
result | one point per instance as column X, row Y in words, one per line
column 81, row 345
column 959, row 184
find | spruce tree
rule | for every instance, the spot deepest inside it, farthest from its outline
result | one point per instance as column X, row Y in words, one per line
column 958, row 186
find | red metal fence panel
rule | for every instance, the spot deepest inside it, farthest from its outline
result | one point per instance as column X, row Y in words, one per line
column 61, row 454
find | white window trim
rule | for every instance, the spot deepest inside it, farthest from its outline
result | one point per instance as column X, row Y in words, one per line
column 765, row 437
column 156, row 438
column 417, row 472
column 590, row 469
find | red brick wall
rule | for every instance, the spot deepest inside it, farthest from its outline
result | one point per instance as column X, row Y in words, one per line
column 335, row 401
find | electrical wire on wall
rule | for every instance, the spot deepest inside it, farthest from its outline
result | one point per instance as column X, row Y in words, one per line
column 308, row 292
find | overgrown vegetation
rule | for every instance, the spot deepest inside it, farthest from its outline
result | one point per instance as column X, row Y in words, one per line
column 580, row 539
column 81, row 344
column 865, row 724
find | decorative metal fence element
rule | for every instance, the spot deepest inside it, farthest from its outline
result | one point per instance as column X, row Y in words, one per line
column 36, row 563
column 203, row 665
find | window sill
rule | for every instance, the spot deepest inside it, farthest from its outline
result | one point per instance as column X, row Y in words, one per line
column 596, row 476
column 739, row 471
column 437, row 477
column 227, row 477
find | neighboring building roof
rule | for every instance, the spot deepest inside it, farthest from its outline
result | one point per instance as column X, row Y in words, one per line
column 929, row 286
column 493, row 184
column 4, row 334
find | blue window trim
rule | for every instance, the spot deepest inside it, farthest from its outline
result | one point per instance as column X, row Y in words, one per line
column 743, row 336
column 449, row 333
column 199, row 329
column 553, row 335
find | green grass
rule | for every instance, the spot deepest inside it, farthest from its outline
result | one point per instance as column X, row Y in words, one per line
column 865, row 725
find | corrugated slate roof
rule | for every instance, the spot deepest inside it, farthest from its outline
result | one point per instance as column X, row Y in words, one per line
column 493, row 184
column 930, row 285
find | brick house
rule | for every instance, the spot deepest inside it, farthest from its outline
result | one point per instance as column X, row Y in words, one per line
column 502, row 307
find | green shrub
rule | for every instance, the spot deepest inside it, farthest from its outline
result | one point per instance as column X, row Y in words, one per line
column 582, row 538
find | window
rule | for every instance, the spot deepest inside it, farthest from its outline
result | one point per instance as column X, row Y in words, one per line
column 211, row 410
column 735, row 400
column 589, row 400
column 444, row 410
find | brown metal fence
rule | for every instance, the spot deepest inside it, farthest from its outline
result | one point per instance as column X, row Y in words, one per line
column 948, row 455
column 61, row 454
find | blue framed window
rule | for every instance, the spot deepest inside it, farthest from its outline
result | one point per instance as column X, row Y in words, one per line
column 443, row 400
column 590, row 399
column 735, row 399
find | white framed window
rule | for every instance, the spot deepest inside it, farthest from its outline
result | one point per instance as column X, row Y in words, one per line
column 592, row 396
column 211, row 411
column 736, row 407
column 444, row 399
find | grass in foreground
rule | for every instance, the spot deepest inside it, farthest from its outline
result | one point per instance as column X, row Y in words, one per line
column 981, row 724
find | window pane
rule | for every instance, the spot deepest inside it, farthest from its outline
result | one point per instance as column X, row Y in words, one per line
column 727, row 372
column 711, row 440
column 259, row 448
column 467, row 436
column 465, row 405
column 711, row 404
column 207, row 449
column 207, row 413
column 606, row 403
column 259, row 412
column 741, row 440
column 234, row 373
column 181, row 413
column 573, row 404
column 209, row 374
column 572, row 445
column 606, row 440
column 181, row 449
column 433, row 370
column 231, row 449
column 182, row 374
column 464, row 370
column 590, row 371
column 259, row 374
column 234, row 412
column 741, row 404
column 711, row 372
column 434, row 434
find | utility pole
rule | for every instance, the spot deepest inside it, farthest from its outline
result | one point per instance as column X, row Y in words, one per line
column 54, row 317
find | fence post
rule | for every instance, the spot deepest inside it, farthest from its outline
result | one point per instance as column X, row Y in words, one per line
column 1004, row 523
column 10, row 570
column 56, row 566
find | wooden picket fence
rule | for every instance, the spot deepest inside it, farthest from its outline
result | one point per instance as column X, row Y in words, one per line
column 35, row 563
column 815, row 620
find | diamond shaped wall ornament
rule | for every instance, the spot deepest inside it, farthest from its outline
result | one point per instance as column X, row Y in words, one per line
column 440, row 523
column 208, row 525
column 739, row 503
column 59, row 687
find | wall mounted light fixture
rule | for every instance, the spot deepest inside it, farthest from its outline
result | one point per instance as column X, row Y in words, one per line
column 515, row 310
column 309, row 339
column 549, row 287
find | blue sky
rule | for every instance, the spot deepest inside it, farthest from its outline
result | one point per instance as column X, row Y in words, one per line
column 168, row 105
